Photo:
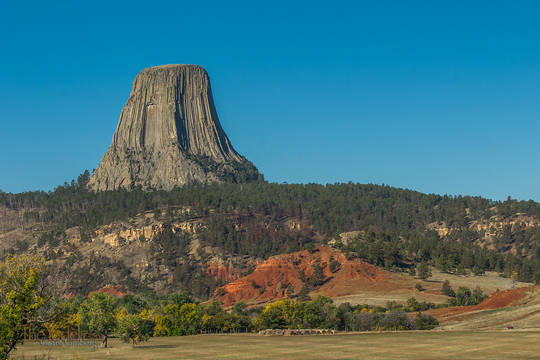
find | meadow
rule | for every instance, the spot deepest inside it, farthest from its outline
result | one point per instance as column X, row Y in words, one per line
column 499, row 344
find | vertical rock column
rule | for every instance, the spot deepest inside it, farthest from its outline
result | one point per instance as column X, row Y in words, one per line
column 168, row 133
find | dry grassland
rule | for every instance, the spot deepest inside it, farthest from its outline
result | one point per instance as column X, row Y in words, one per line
column 469, row 345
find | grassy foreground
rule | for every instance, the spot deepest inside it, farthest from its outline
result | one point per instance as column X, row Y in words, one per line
column 400, row 345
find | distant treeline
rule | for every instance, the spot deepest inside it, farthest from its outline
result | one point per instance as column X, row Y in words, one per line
column 178, row 314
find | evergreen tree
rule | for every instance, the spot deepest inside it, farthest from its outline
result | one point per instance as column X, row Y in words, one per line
column 317, row 277
column 303, row 295
column 424, row 271
column 447, row 289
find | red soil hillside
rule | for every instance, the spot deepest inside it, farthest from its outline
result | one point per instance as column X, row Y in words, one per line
column 280, row 275
column 497, row 300
column 221, row 271
column 117, row 291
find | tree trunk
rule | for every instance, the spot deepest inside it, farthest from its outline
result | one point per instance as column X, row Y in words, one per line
column 105, row 337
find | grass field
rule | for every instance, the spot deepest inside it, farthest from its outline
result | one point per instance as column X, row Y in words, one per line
column 506, row 344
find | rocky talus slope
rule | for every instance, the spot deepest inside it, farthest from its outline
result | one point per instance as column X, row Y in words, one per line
column 168, row 134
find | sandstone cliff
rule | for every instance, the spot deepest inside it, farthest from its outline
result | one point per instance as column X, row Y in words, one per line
column 169, row 135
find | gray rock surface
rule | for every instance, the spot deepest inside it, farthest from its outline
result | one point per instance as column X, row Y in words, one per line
column 168, row 134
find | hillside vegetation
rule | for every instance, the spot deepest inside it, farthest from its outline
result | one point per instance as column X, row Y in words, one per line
column 169, row 238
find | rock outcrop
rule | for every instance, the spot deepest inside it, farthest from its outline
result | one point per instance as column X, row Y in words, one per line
column 169, row 135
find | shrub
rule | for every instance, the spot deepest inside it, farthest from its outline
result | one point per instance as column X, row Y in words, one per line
column 334, row 265
column 425, row 322
column 396, row 320
column 365, row 321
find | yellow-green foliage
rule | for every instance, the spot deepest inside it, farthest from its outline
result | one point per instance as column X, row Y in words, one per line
column 20, row 298
column 178, row 320
column 135, row 327
column 283, row 314
column 62, row 321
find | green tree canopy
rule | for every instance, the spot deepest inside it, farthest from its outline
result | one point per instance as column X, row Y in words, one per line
column 97, row 314
column 21, row 297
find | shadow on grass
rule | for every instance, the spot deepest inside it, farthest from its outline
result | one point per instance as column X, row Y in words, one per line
column 155, row 346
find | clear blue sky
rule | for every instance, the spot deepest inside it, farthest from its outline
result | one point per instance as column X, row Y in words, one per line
column 434, row 96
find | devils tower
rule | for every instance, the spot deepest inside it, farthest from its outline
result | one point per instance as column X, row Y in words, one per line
column 169, row 135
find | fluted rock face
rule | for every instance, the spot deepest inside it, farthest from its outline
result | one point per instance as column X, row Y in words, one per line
column 169, row 135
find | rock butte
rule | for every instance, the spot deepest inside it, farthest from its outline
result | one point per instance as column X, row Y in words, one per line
column 168, row 134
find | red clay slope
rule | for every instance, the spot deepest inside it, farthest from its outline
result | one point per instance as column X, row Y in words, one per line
column 118, row 291
column 221, row 271
column 271, row 279
column 496, row 300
